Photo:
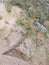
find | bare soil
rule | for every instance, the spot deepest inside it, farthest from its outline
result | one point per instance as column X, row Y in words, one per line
column 33, row 51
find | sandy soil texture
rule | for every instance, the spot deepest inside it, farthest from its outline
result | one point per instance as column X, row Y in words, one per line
column 33, row 51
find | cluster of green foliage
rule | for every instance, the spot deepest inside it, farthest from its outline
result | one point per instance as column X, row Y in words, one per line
column 8, row 7
column 25, row 23
column 26, row 4
column 31, row 8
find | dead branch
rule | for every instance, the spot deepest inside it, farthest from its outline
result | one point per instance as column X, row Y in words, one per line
column 17, row 44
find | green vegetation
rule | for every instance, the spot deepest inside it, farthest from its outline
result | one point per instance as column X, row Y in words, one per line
column 25, row 23
column 47, row 16
column 27, row 5
column 34, row 9
column 37, row 9
column 8, row 8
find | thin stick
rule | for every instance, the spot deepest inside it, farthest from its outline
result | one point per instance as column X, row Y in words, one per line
column 16, row 45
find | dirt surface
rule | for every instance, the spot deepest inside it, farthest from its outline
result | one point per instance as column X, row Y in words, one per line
column 7, row 60
column 33, row 51
column 6, row 24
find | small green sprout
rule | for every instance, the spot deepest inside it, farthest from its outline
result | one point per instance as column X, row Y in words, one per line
column 8, row 8
column 20, row 21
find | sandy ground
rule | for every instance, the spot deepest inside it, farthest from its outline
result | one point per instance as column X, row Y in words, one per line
column 5, row 30
column 7, row 60
column 33, row 55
